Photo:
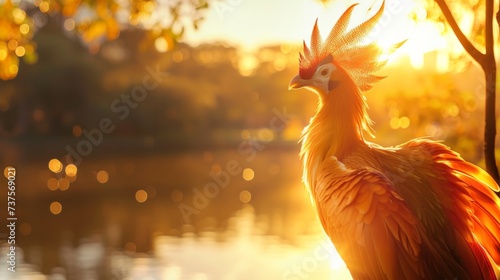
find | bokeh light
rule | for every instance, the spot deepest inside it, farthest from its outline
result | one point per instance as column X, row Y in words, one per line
column 399, row 122
column 7, row 170
column 12, row 44
column 102, row 176
column 69, row 24
column 3, row 53
column 247, row 65
column 63, row 184
column 161, row 44
column 141, row 196
column 280, row 63
column 451, row 111
column 70, row 179
column 216, row 168
column 44, row 7
column 55, row 208
column 404, row 122
column 55, row 165
column 177, row 56
column 394, row 123
column 13, row 69
column 77, row 130
column 20, row 51
column 71, row 170
column 248, row 174
column 176, row 196
column 19, row 15
column 52, row 184
column 245, row 134
column 245, row 196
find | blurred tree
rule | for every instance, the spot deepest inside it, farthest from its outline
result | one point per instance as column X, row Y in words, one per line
column 487, row 62
column 95, row 21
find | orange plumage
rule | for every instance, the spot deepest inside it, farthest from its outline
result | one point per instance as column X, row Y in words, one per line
column 414, row 211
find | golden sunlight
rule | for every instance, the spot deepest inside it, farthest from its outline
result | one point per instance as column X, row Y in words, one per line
column 247, row 64
column 402, row 21
column 201, row 138
column 422, row 36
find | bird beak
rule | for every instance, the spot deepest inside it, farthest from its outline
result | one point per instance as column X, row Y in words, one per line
column 297, row 82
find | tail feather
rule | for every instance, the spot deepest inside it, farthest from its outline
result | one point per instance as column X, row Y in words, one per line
column 474, row 258
column 485, row 204
column 471, row 170
column 483, row 261
column 486, row 218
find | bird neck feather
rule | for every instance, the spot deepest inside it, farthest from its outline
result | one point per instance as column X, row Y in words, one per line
column 336, row 129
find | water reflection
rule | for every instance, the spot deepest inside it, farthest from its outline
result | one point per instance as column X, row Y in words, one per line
column 239, row 253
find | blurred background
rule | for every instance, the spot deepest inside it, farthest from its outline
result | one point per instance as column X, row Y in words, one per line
column 158, row 140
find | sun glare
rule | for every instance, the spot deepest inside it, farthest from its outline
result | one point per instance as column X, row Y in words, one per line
column 247, row 64
column 402, row 21
column 422, row 36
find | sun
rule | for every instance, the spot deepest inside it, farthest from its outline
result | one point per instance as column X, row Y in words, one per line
column 421, row 35
column 402, row 21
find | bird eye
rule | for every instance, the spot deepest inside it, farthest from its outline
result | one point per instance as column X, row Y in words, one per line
column 324, row 72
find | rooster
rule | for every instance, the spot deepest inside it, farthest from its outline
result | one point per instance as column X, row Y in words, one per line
column 413, row 211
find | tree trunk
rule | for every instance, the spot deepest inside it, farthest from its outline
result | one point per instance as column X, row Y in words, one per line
column 490, row 73
column 488, row 64
column 490, row 119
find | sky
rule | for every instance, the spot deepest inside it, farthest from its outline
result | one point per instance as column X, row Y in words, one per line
column 253, row 23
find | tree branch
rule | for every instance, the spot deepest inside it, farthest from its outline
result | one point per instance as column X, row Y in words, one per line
column 488, row 28
column 498, row 14
column 475, row 53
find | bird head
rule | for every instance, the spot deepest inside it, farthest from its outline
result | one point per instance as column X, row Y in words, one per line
column 347, row 58
column 322, row 78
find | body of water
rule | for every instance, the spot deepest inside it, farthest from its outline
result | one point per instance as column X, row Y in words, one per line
column 259, row 224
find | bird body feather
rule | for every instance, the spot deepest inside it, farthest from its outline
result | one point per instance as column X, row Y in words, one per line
column 406, row 213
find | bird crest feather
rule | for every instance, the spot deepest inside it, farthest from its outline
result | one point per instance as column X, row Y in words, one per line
column 351, row 49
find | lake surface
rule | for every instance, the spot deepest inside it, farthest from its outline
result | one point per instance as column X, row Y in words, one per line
column 257, row 224
column 238, row 253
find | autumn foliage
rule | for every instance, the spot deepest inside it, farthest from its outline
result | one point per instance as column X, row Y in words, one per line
column 94, row 21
